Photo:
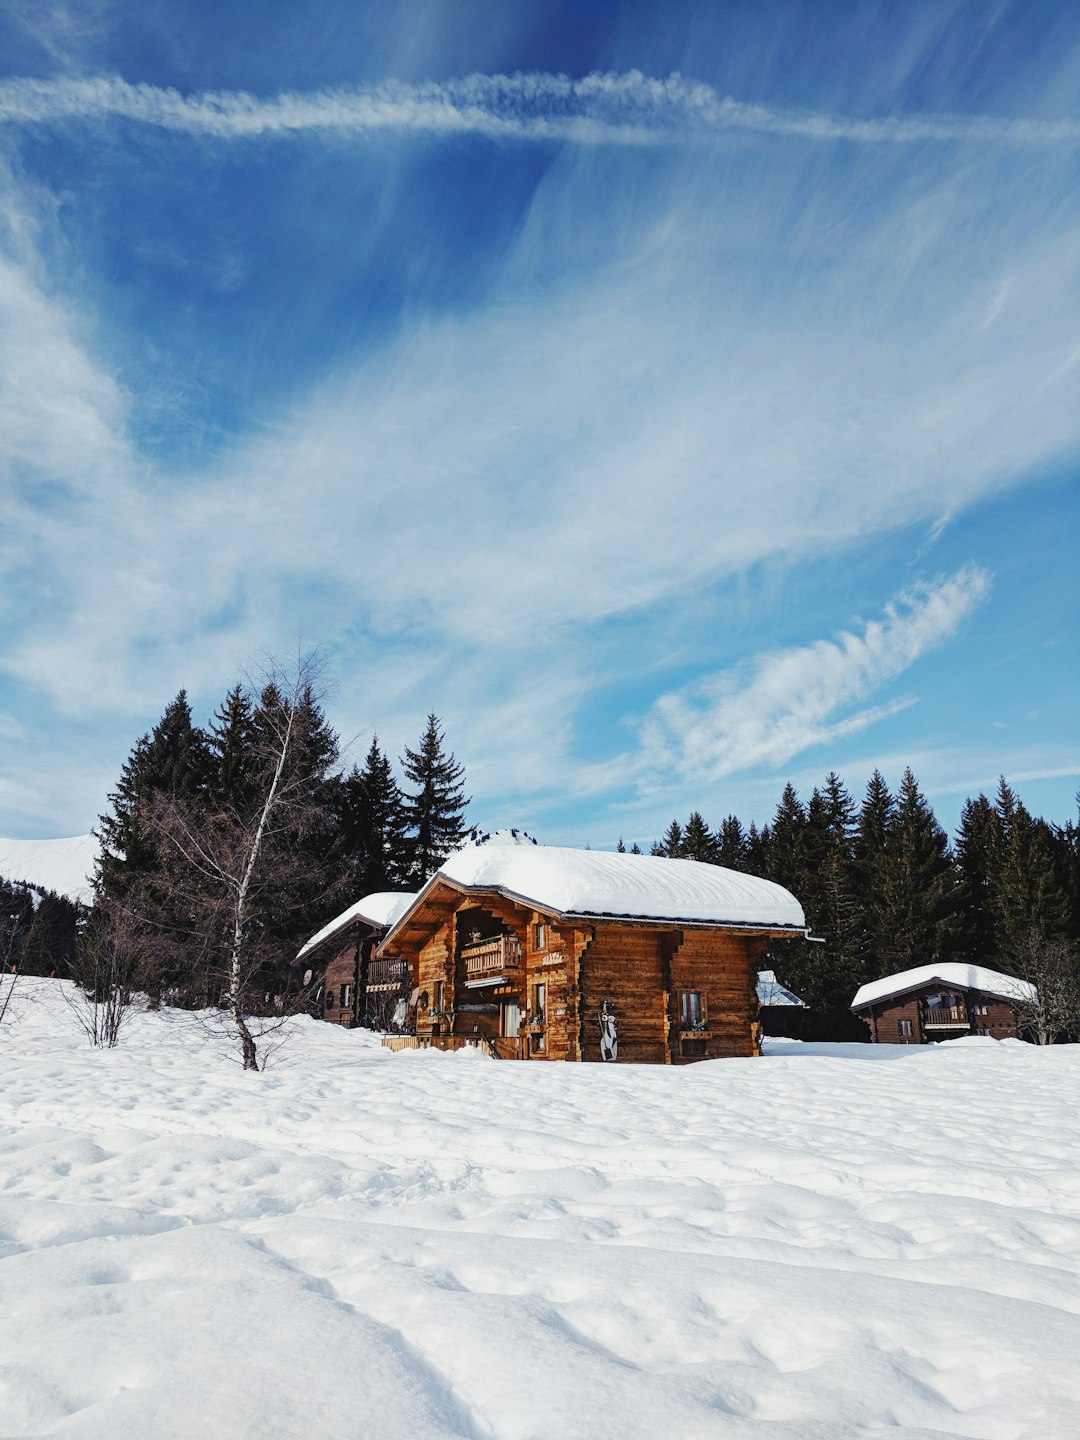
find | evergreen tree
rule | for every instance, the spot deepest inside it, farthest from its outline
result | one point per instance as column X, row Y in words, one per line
column 731, row 844
column 620, row 848
column 757, row 849
column 974, row 859
column 870, row 858
column 783, row 853
column 635, row 848
column 698, row 841
column 232, row 749
column 671, row 846
column 918, row 891
column 50, row 938
column 373, row 827
column 435, row 805
column 1028, row 893
column 173, row 760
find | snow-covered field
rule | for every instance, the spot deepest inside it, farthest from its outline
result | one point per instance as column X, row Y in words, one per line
column 358, row 1244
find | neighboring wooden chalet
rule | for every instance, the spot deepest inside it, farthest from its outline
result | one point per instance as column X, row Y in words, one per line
column 780, row 1011
column 553, row 954
column 350, row 986
column 941, row 1002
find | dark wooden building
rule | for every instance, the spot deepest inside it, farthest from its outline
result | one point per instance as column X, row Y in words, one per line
column 941, row 1002
column 542, row 953
column 351, row 987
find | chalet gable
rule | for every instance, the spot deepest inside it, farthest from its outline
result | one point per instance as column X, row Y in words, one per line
column 588, row 885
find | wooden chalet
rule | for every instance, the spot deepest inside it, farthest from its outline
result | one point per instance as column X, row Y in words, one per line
column 942, row 1002
column 351, row 987
column 542, row 953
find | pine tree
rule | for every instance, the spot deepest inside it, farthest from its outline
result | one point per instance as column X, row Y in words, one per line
column 731, row 844
column 870, row 857
column 918, row 887
column 671, row 846
column 232, row 746
column 373, row 827
column 50, row 939
column 784, row 849
column 1028, row 889
column 435, row 805
column 635, row 848
column 173, row 760
column 974, row 858
column 620, row 848
column 698, row 841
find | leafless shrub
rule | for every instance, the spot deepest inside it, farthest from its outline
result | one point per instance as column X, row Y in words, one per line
column 1052, row 969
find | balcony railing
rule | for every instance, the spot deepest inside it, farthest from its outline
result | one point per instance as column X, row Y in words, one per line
column 386, row 972
column 945, row 1017
column 491, row 957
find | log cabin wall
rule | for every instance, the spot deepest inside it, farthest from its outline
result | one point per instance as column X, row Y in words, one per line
column 625, row 965
column 721, row 968
column 341, row 985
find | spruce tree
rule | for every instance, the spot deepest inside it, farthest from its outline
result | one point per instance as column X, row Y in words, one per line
column 434, row 805
column 671, row 846
column 698, row 841
column 173, row 760
column 918, row 883
column 373, row 826
column 232, row 749
column 731, row 844
column 870, row 857
column 974, row 859
column 1029, row 891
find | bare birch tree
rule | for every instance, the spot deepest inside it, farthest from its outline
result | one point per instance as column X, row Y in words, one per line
column 223, row 863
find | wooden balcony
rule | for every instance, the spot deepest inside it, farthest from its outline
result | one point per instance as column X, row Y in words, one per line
column 490, row 958
column 945, row 1017
column 386, row 974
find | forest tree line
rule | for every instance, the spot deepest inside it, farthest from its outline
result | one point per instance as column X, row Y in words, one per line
column 880, row 882
column 883, row 886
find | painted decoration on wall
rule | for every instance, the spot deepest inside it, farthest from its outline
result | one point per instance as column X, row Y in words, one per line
column 609, row 1032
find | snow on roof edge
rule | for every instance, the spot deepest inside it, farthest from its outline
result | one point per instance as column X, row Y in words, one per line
column 575, row 884
column 382, row 908
column 949, row 972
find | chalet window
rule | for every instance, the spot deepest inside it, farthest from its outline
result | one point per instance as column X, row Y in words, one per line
column 538, row 936
column 440, row 992
column 904, row 1026
column 980, row 1010
column 329, row 999
column 346, row 996
column 691, row 1010
column 982, row 1030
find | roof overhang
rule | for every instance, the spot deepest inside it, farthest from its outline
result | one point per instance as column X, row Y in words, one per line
column 935, row 980
column 584, row 917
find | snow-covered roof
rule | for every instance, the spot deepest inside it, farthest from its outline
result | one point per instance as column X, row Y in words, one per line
column 61, row 865
column 380, row 909
column 771, row 992
column 968, row 977
column 602, row 883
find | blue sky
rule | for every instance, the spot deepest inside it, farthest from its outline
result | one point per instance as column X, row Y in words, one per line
column 678, row 399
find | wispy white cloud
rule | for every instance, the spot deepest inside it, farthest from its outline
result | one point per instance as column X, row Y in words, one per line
column 603, row 108
column 669, row 382
column 787, row 701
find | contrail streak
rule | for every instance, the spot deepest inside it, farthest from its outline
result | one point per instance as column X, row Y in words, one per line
column 628, row 109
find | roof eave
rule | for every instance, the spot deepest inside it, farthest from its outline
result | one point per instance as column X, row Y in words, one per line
column 758, row 927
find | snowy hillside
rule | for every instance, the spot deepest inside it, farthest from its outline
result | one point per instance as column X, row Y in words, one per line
column 61, row 865
column 829, row 1243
